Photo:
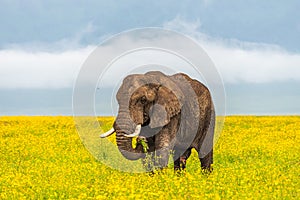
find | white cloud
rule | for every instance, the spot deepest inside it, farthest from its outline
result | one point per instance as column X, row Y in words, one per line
column 243, row 61
column 259, row 64
column 21, row 69
column 237, row 61
column 43, row 65
column 179, row 24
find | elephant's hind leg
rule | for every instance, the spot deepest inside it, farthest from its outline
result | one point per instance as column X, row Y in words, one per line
column 205, row 151
column 207, row 161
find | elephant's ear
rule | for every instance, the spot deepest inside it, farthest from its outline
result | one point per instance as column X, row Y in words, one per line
column 167, row 105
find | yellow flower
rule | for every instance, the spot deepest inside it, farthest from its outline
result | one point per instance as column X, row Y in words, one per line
column 43, row 157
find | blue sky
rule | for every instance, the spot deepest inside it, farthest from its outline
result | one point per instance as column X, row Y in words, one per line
column 254, row 44
column 24, row 23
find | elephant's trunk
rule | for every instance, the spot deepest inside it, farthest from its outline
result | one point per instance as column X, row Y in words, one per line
column 124, row 126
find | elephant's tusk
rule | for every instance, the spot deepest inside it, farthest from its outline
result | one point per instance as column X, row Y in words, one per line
column 108, row 133
column 136, row 132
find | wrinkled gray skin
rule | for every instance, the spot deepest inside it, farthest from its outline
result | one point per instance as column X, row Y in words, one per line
column 176, row 114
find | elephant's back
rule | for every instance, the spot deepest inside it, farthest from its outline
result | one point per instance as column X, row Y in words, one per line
column 202, row 92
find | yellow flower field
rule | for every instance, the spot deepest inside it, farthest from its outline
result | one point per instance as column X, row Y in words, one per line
column 44, row 158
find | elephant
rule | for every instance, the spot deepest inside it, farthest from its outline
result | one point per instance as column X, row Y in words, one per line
column 172, row 114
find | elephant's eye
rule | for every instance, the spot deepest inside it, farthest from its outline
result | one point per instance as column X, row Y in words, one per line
column 143, row 100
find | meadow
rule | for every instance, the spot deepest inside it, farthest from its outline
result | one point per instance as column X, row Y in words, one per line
column 254, row 158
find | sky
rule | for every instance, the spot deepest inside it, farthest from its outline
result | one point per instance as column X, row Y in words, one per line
column 255, row 46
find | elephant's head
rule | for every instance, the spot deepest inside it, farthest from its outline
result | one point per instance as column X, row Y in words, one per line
column 150, row 99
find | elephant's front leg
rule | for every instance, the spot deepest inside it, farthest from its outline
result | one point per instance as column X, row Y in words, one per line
column 148, row 161
column 163, row 145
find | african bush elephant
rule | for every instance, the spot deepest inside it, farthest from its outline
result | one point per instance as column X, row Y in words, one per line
column 170, row 113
